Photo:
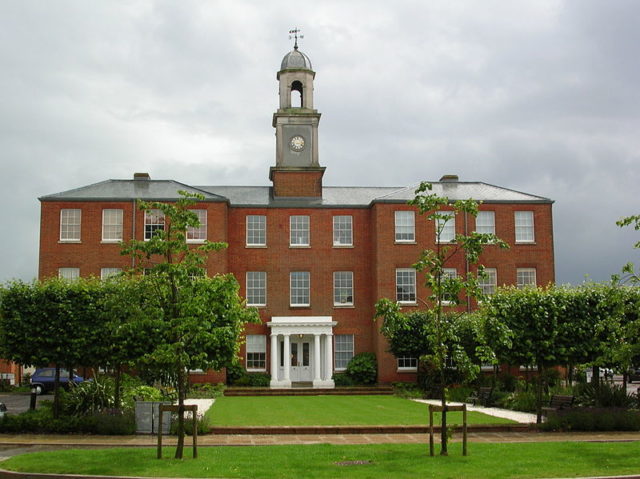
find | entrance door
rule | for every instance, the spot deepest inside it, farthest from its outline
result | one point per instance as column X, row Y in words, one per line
column 300, row 361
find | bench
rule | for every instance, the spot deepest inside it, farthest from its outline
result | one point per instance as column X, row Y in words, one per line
column 481, row 396
column 557, row 402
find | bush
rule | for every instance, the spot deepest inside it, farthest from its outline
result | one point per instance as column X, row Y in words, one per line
column 41, row 421
column 254, row 380
column 341, row 379
column 407, row 390
column 90, row 397
column 606, row 395
column 206, row 390
column 459, row 393
column 519, row 400
column 234, row 373
column 141, row 393
column 363, row 368
column 593, row 419
column 508, row 382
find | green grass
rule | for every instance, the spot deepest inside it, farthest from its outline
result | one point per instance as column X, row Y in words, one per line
column 398, row 461
column 331, row 411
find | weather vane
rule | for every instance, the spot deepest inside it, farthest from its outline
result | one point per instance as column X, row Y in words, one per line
column 294, row 34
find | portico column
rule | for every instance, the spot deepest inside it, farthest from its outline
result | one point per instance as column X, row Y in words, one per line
column 274, row 357
column 316, row 357
column 287, row 359
column 328, row 356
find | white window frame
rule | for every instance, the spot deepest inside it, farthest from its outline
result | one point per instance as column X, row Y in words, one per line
column 407, row 363
column 256, row 346
column 108, row 272
column 344, row 351
column 489, row 284
column 342, row 230
column 299, row 231
column 526, row 278
column 198, row 234
column 524, row 226
column 403, row 274
column 448, row 273
column 343, row 288
column 112, row 224
column 70, row 225
column 299, row 289
column 69, row 273
column 405, row 226
column 486, row 222
column 448, row 225
column 256, row 231
column 149, row 217
column 256, row 288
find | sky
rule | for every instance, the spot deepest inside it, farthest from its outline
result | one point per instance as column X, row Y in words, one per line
column 537, row 96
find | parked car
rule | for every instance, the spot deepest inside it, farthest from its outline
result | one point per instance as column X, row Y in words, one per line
column 634, row 375
column 42, row 379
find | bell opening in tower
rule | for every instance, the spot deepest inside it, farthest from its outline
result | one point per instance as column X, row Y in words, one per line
column 296, row 94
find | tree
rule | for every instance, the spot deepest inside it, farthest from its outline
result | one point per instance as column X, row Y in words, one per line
column 443, row 344
column 51, row 322
column 199, row 319
column 628, row 270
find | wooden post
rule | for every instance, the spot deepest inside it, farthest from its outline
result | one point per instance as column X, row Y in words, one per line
column 464, row 430
column 462, row 408
column 159, row 432
column 194, row 409
column 431, row 431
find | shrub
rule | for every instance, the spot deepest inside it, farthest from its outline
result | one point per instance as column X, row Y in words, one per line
column 206, row 390
column 341, row 379
column 90, row 397
column 141, row 393
column 41, row 421
column 593, row 419
column 254, row 380
column 234, row 373
column 508, row 382
column 606, row 395
column 519, row 400
column 363, row 368
column 459, row 393
column 407, row 390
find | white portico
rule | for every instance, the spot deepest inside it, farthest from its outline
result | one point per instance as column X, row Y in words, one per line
column 301, row 350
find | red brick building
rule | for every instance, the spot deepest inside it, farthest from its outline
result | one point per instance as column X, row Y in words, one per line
column 313, row 259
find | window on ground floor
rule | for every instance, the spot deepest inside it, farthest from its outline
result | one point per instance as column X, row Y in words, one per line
column 344, row 351
column 407, row 363
column 256, row 352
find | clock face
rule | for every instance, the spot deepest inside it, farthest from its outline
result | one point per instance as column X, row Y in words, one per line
column 296, row 143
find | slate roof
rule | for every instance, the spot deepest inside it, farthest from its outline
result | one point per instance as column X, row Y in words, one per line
column 127, row 190
column 261, row 196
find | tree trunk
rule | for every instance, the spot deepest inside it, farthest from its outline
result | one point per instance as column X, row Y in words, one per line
column 56, row 396
column 118, row 380
column 539, row 387
column 595, row 376
column 181, row 395
column 443, row 427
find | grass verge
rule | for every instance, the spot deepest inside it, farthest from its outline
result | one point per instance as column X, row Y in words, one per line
column 331, row 411
column 485, row 461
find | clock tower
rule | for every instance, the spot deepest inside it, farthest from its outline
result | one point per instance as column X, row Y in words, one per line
column 297, row 172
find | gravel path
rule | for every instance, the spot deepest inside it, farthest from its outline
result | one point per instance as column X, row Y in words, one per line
column 521, row 417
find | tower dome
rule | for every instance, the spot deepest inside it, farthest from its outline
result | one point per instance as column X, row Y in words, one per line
column 295, row 60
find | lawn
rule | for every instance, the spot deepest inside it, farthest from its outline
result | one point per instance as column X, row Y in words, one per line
column 331, row 411
column 485, row 461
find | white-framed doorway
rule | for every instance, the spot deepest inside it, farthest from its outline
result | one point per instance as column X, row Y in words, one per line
column 301, row 351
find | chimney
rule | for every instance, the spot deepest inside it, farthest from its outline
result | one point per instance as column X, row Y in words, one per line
column 449, row 178
column 141, row 176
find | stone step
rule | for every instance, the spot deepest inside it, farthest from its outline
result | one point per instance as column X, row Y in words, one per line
column 303, row 391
